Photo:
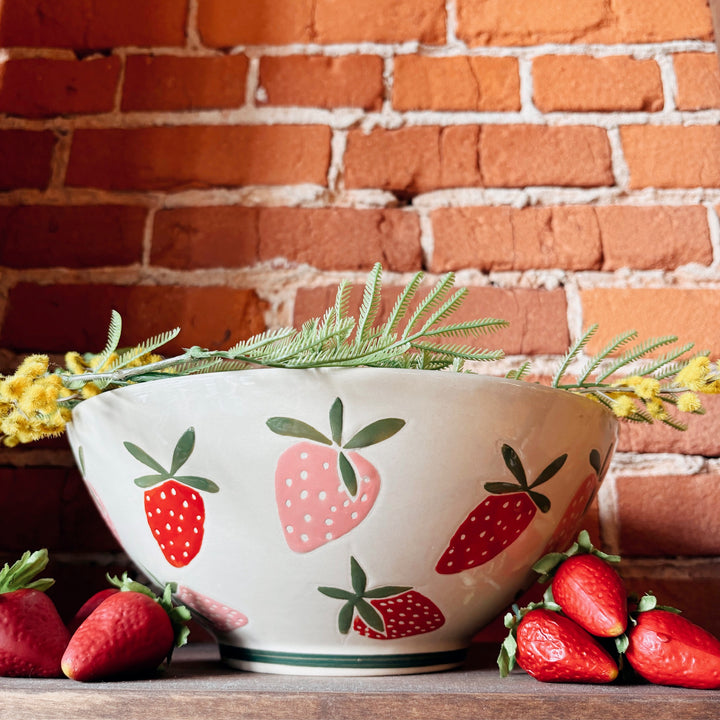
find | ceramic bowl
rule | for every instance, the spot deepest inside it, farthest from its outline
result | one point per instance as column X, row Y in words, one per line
column 342, row 521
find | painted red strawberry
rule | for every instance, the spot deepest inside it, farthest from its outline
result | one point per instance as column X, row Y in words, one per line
column 128, row 635
column 499, row 519
column 552, row 648
column 323, row 491
column 174, row 509
column 383, row 613
column 32, row 634
column 586, row 587
column 667, row 649
column 568, row 525
column 220, row 617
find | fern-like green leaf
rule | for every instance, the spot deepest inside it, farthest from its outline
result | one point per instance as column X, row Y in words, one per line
column 148, row 346
column 433, row 298
column 476, row 328
column 635, row 353
column 519, row 373
column 613, row 346
column 114, row 332
column 575, row 349
column 370, row 304
column 402, row 304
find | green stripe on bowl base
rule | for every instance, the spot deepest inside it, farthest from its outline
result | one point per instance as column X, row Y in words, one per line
column 359, row 662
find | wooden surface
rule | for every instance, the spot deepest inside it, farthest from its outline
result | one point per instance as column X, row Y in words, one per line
column 198, row 686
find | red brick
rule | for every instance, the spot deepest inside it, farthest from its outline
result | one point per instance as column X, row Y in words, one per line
column 70, row 235
column 49, row 507
column 630, row 236
column 326, row 238
column 517, row 22
column 39, row 87
column 653, row 312
column 57, row 318
column 503, row 238
column 224, row 23
column 646, row 21
column 698, row 81
column 88, row 24
column 456, row 83
column 167, row 82
column 701, row 438
column 382, row 21
column 672, row 156
column 580, row 83
column 25, row 158
column 319, row 81
column 205, row 237
column 538, row 318
column 669, row 514
column 413, row 159
column 521, row 155
column 196, row 156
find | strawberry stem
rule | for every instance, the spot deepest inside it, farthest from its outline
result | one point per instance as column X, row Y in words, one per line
column 19, row 575
column 355, row 599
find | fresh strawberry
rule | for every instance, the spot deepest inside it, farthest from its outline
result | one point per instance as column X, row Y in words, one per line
column 128, row 635
column 88, row 606
column 584, row 495
column 174, row 509
column 322, row 491
column 220, row 617
column 32, row 634
column 383, row 613
column 552, row 648
column 586, row 587
column 499, row 519
column 667, row 649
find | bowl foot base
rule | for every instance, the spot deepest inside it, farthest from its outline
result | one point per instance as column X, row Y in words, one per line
column 292, row 663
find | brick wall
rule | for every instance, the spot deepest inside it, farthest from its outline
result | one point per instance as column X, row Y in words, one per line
column 220, row 164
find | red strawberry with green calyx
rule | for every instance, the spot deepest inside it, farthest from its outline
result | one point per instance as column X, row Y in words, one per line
column 33, row 637
column 499, row 519
column 128, row 634
column 384, row 613
column 586, row 587
column 322, row 490
column 667, row 649
column 174, row 508
column 553, row 648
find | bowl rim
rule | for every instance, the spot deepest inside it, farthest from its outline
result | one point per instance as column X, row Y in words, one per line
column 526, row 386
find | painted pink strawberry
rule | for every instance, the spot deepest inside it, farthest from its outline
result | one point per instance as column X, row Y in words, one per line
column 498, row 520
column 322, row 490
column 174, row 508
column 566, row 530
column 219, row 616
column 383, row 613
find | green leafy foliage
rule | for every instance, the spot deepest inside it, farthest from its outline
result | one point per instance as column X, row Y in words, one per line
column 424, row 340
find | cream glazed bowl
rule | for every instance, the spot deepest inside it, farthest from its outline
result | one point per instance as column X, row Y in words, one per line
column 342, row 521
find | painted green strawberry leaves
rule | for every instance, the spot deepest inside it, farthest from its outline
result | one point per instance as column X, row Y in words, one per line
column 356, row 600
column 183, row 449
column 389, row 612
column 369, row 435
